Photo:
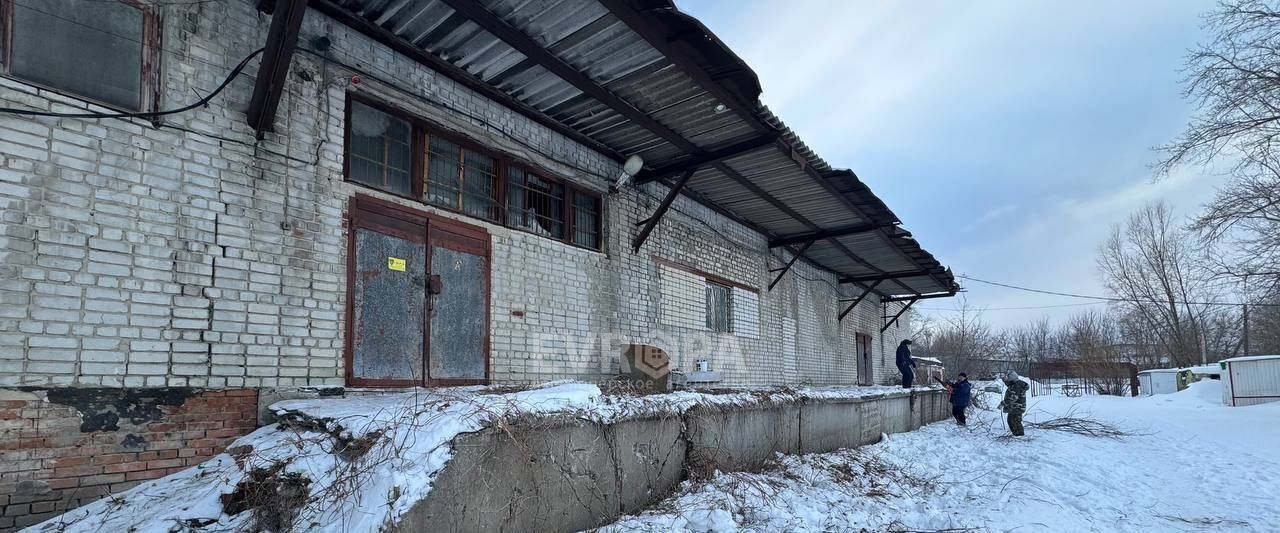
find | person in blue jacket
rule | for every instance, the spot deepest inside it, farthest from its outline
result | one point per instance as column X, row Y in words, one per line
column 960, row 396
column 906, row 364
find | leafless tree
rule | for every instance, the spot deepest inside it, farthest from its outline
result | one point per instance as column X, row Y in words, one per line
column 1264, row 328
column 963, row 341
column 1234, row 79
column 1034, row 341
column 1093, row 337
column 1141, row 344
column 1151, row 264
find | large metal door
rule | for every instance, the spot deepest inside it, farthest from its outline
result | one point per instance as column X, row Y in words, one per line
column 387, row 301
column 418, row 298
column 459, row 309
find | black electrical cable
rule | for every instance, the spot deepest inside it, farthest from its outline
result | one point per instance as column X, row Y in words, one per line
column 1022, row 308
column 162, row 2
column 235, row 72
column 1115, row 299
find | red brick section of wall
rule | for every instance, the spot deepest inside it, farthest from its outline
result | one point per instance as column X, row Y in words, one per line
column 62, row 448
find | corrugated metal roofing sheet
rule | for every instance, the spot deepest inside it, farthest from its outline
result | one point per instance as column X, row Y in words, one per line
column 784, row 189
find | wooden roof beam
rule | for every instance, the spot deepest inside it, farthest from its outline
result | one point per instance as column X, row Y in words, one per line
column 733, row 149
column 412, row 51
column 884, row 276
column 523, row 43
column 282, row 37
column 764, row 195
column 827, row 233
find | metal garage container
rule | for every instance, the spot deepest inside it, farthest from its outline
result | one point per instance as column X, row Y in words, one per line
column 1158, row 381
column 1251, row 380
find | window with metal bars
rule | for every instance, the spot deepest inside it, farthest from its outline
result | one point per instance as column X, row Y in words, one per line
column 463, row 179
column 719, row 307
column 456, row 175
column 380, row 150
column 535, row 204
column 586, row 220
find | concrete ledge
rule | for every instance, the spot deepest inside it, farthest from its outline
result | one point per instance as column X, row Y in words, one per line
column 567, row 474
column 740, row 439
column 522, row 477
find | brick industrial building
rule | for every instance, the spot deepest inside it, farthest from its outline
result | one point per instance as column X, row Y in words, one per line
column 391, row 193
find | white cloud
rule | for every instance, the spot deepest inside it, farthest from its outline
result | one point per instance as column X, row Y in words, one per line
column 991, row 215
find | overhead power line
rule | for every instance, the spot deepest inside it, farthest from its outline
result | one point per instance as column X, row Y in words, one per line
column 1020, row 308
column 1106, row 298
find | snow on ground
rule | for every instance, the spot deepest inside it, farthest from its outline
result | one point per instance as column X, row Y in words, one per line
column 1190, row 464
column 358, row 463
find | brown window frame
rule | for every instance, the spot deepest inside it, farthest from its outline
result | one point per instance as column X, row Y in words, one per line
column 712, row 314
column 149, row 89
column 703, row 274
column 422, row 132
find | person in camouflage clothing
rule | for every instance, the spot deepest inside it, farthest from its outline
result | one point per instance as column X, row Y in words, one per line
column 1015, row 401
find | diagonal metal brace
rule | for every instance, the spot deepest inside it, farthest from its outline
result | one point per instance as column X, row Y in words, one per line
column 857, row 301
column 900, row 312
column 794, row 257
column 652, row 222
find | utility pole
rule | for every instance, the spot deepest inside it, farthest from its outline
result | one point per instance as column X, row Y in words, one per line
column 1245, row 338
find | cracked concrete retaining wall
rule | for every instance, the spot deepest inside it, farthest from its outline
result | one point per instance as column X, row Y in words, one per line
column 571, row 474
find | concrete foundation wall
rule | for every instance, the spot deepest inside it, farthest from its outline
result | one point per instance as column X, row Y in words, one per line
column 572, row 475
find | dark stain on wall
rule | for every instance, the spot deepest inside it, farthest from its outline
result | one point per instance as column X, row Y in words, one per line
column 134, row 442
column 103, row 409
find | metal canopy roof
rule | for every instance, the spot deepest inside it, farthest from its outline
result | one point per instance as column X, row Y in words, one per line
column 640, row 77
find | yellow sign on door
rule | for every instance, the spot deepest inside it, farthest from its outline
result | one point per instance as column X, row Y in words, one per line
column 395, row 263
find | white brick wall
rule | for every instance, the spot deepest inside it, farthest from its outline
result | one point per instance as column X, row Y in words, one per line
column 192, row 254
column 683, row 299
column 746, row 313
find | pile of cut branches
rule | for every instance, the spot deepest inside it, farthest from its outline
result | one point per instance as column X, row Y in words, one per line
column 1080, row 426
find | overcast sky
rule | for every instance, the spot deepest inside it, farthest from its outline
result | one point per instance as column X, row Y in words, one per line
column 1008, row 136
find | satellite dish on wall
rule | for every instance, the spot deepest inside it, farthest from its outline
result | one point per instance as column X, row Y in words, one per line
column 631, row 167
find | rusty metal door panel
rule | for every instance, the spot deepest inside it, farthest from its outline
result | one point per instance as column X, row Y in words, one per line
column 459, row 314
column 388, row 304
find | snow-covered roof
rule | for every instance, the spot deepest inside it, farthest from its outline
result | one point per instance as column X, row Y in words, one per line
column 1160, row 370
column 1251, row 358
column 928, row 360
column 1205, row 369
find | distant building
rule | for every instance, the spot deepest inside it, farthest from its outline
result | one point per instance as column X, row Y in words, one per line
column 1159, row 381
column 1250, row 380
column 928, row 368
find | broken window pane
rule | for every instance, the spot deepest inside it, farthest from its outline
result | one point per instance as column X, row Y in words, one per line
column 93, row 49
column 381, row 150
column 536, row 204
column 586, row 220
column 719, row 307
